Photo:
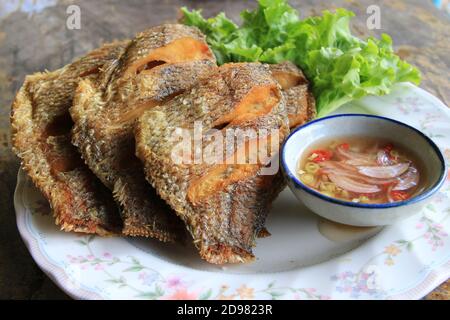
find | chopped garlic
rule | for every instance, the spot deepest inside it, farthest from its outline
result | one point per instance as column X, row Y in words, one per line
column 313, row 156
column 364, row 199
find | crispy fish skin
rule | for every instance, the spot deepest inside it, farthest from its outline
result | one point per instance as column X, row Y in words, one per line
column 41, row 125
column 158, row 64
column 300, row 103
column 223, row 205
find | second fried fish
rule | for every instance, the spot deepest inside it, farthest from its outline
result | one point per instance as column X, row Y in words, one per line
column 157, row 65
column 222, row 200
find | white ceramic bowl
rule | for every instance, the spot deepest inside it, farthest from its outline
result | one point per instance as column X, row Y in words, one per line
column 344, row 125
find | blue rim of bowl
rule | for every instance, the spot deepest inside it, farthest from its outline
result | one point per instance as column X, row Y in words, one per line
column 428, row 193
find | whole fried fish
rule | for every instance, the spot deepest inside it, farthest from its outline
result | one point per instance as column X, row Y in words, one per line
column 41, row 126
column 300, row 103
column 157, row 65
column 222, row 199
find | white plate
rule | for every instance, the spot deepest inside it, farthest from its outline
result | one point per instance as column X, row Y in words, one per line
column 305, row 258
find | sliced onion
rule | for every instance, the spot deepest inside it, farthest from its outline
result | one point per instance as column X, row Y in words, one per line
column 351, row 155
column 338, row 165
column 352, row 185
column 408, row 180
column 389, row 194
column 383, row 158
column 383, row 172
column 359, row 177
column 359, row 162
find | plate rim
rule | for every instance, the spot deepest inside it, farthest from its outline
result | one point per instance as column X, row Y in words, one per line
column 55, row 273
column 432, row 280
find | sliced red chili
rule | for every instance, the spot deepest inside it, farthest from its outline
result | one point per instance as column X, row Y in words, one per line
column 388, row 148
column 344, row 146
column 398, row 195
column 386, row 185
column 321, row 155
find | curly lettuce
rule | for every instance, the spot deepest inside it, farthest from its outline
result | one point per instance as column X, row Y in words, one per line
column 340, row 66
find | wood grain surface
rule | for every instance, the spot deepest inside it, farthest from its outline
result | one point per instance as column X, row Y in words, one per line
column 35, row 39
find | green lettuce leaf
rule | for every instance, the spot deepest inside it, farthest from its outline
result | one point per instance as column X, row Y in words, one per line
column 340, row 66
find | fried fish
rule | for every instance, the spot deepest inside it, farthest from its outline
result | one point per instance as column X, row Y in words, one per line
column 300, row 103
column 224, row 203
column 157, row 65
column 41, row 126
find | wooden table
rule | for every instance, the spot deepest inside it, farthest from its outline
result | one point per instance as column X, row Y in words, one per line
column 31, row 42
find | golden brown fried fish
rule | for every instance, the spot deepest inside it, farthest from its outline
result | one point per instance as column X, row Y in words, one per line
column 300, row 103
column 158, row 64
column 41, row 126
column 223, row 203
